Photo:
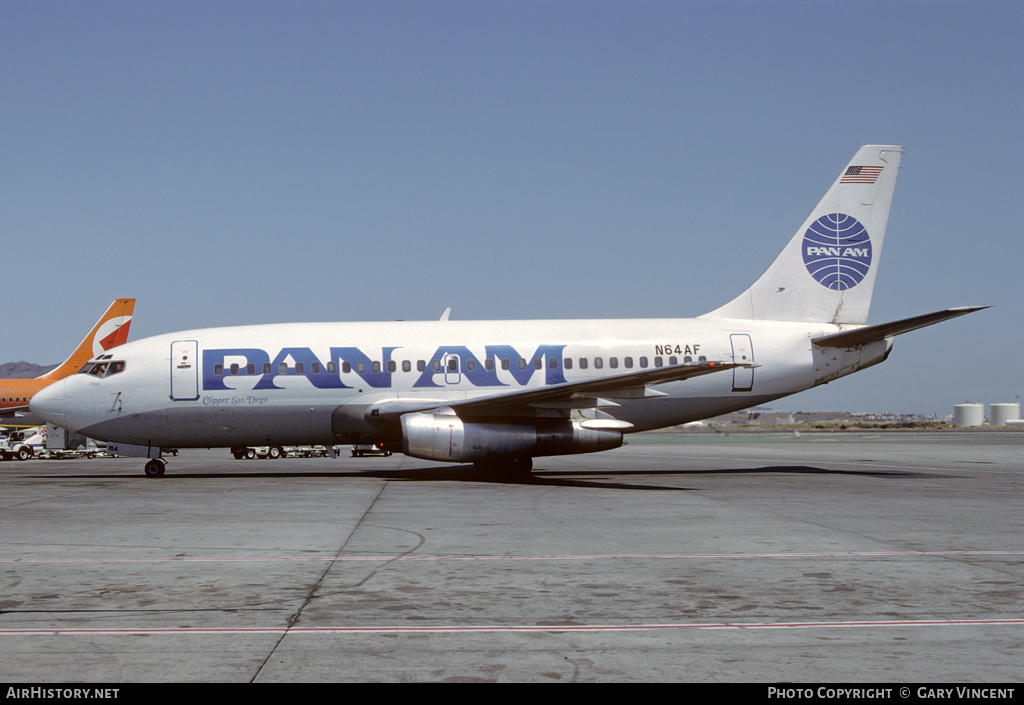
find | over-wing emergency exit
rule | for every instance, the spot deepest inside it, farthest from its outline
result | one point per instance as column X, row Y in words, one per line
column 109, row 332
column 499, row 393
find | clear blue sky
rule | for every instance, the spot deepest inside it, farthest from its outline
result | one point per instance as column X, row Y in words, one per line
column 245, row 162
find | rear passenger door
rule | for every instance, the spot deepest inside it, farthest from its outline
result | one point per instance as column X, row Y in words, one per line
column 742, row 352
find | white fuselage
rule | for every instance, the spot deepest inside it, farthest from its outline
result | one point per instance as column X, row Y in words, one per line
column 319, row 383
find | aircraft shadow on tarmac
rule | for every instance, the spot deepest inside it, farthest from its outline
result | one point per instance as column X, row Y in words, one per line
column 588, row 478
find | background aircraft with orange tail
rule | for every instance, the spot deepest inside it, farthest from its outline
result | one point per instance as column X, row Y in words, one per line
column 109, row 332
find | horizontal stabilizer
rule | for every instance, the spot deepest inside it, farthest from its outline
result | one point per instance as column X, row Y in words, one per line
column 869, row 334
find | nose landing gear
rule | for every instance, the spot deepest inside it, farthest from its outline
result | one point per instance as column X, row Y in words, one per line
column 155, row 468
column 155, row 465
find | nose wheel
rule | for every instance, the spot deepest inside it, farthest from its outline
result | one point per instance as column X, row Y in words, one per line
column 155, row 468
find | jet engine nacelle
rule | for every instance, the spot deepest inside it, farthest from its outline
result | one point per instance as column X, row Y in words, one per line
column 440, row 436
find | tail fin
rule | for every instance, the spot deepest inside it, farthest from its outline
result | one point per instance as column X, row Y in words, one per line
column 109, row 332
column 827, row 271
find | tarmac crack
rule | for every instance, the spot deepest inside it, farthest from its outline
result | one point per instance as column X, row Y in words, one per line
column 294, row 618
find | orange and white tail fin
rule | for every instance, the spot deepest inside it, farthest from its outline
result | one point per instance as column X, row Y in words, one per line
column 109, row 332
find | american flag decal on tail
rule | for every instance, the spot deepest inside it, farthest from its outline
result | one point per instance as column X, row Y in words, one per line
column 861, row 175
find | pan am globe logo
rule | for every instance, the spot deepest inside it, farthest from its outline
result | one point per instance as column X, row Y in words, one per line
column 837, row 251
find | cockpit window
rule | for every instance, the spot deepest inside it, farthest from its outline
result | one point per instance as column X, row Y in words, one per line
column 100, row 368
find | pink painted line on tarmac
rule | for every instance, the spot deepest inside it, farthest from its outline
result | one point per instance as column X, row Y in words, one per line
column 650, row 556
column 452, row 629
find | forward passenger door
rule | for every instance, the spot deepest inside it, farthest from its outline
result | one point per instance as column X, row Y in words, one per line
column 184, row 370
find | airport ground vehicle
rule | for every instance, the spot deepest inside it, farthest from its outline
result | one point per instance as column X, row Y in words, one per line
column 308, row 451
column 46, row 444
column 12, row 448
column 89, row 452
column 275, row 452
column 272, row 452
column 361, row 449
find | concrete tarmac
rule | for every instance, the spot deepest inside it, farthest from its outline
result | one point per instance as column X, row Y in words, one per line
column 883, row 557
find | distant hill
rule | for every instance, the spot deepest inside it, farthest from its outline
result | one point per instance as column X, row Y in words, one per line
column 23, row 370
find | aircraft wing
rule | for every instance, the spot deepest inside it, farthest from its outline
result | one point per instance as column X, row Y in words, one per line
column 13, row 410
column 869, row 334
column 569, row 395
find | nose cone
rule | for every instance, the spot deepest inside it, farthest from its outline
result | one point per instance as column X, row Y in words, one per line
column 50, row 403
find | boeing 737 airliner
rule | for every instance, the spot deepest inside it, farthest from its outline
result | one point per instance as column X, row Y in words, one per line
column 500, row 393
